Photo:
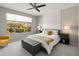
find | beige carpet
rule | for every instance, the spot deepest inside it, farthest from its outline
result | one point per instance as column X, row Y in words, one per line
column 15, row 49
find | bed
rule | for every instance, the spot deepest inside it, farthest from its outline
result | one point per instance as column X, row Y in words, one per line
column 47, row 40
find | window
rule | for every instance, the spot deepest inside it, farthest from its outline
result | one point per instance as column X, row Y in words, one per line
column 17, row 23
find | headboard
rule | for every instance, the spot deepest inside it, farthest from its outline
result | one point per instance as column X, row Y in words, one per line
column 53, row 29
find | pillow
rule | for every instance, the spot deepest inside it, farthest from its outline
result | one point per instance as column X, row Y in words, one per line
column 50, row 32
column 55, row 32
column 45, row 31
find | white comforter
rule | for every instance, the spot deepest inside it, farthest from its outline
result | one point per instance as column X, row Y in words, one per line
column 39, row 38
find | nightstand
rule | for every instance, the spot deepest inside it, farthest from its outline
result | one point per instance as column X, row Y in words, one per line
column 64, row 38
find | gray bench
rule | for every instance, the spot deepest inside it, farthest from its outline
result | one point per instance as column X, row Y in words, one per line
column 32, row 46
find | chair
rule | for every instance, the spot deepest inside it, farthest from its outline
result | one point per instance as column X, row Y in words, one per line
column 4, row 40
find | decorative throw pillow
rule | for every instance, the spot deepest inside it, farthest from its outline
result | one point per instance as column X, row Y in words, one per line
column 45, row 31
column 49, row 33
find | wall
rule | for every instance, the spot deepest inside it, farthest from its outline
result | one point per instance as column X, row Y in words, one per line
column 2, row 22
column 50, row 20
column 70, row 18
column 78, row 27
column 15, row 37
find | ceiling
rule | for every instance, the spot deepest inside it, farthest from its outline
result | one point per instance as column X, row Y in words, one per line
column 50, row 7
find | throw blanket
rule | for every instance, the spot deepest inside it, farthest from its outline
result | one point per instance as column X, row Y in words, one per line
column 46, row 41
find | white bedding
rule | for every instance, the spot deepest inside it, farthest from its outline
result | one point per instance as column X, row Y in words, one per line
column 39, row 38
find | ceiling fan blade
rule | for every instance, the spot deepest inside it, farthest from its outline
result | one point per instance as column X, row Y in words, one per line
column 37, row 9
column 31, row 4
column 34, row 7
column 40, row 6
column 35, row 4
column 30, row 8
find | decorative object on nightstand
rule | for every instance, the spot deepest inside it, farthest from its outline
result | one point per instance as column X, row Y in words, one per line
column 64, row 38
column 39, row 29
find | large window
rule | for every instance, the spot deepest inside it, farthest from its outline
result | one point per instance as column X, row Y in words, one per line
column 17, row 23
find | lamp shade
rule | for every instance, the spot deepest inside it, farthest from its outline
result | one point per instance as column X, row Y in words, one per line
column 66, row 27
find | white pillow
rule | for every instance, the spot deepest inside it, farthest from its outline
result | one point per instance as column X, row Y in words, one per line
column 55, row 32
column 44, row 31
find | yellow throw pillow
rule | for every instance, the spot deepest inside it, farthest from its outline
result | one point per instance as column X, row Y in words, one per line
column 49, row 33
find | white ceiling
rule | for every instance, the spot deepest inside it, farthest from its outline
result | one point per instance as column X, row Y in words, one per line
column 50, row 7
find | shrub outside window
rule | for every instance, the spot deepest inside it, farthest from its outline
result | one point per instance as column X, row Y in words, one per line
column 18, row 23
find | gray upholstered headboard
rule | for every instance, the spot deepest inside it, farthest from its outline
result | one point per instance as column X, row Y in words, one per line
column 53, row 29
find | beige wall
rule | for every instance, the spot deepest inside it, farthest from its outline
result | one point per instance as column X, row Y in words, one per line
column 50, row 20
column 15, row 37
column 59, row 19
column 70, row 17
column 78, row 27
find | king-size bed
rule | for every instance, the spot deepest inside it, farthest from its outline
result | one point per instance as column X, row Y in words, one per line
column 48, row 39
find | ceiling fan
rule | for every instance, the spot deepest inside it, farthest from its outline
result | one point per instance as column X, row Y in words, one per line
column 35, row 6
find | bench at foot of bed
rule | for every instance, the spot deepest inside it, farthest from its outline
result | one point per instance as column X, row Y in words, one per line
column 32, row 46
